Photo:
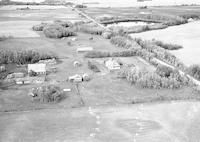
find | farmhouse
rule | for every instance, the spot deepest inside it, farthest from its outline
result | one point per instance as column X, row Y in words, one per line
column 112, row 64
column 37, row 68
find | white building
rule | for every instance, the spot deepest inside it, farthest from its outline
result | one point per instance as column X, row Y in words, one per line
column 84, row 49
column 111, row 64
column 38, row 68
column 75, row 78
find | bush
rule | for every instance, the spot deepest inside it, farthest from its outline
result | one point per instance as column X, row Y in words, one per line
column 90, row 29
column 92, row 66
column 108, row 19
column 122, row 41
column 133, row 29
column 57, row 31
column 22, row 57
column 153, row 80
column 63, row 23
column 80, row 6
column 46, row 94
column 53, row 31
column 164, row 71
column 167, row 45
column 107, row 34
column 39, row 27
column 194, row 71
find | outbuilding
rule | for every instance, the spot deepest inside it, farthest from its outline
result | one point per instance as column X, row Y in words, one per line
column 84, row 49
column 112, row 64
column 37, row 68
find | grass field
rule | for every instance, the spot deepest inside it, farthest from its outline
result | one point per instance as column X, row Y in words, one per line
column 105, row 124
column 18, row 29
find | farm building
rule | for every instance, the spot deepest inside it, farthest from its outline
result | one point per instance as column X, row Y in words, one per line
column 37, row 68
column 112, row 64
column 84, row 49
column 75, row 78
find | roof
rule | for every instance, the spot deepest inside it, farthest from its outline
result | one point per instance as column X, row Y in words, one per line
column 83, row 49
column 112, row 63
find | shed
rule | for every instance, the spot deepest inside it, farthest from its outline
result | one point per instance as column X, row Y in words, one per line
column 84, row 49
column 75, row 78
column 38, row 68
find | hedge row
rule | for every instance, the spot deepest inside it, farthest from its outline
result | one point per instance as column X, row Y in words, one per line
column 168, row 20
column 161, row 53
column 122, row 41
column 92, row 66
column 90, row 29
column 57, row 31
column 152, row 80
column 194, row 71
column 22, row 57
column 39, row 27
column 99, row 54
column 44, row 94
column 168, row 46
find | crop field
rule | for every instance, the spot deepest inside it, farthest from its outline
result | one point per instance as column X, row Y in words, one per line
column 132, row 11
column 37, row 13
column 181, row 35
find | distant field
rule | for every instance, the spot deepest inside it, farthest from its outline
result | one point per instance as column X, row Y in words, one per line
column 18, row 28
column 37, row 13
column 14, row 7
column 130, row 12
column 186, row 35
column 132, row 3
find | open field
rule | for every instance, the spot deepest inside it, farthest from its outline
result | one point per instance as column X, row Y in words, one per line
column 105, row 124
column 18, row 29
column 37, row 13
